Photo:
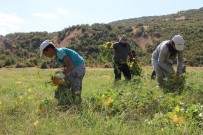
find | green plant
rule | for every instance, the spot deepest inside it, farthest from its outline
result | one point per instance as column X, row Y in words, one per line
column 177, row 84
column 135, row 68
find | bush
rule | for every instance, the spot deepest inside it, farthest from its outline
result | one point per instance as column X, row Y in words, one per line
column 44, row 65
column 20, row 65
column 135, row 68
column 176, row 84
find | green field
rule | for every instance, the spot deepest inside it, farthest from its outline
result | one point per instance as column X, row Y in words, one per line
column 138, row 107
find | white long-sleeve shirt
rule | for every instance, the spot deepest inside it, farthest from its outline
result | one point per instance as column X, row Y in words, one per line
column 165, row 61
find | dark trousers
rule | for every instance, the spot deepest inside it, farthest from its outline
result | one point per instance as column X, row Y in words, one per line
column 153, row 75
column 118, row 68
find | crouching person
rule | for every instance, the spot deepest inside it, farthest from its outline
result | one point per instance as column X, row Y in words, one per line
column 73, row 66
column 163, row 57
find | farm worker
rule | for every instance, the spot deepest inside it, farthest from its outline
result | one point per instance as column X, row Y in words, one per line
column 72, row 62
column 121, row 52
column 164, row 56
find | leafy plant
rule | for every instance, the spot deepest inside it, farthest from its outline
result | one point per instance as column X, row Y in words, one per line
column 176, row 84
column 110, row 102
column 135, row 68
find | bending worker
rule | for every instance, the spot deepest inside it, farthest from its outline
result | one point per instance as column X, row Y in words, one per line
column 164, row 56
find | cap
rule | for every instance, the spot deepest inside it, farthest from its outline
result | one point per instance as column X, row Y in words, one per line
column 179, row 42
column 44, row 45
column 123, row 39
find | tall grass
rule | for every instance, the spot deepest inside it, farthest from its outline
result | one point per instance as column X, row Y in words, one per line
column 137, row 107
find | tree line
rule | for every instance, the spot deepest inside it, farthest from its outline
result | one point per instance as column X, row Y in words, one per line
column 22, row 49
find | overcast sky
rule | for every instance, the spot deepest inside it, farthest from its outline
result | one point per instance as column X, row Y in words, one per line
column 55, row 15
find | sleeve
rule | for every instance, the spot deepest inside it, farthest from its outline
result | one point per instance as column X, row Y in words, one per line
column 180, row 62
column 163, row 56
column 61, row 55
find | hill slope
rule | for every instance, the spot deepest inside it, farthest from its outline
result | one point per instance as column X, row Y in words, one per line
column 145, row 33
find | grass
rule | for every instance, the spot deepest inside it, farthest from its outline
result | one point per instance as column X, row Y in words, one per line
column 138, row 107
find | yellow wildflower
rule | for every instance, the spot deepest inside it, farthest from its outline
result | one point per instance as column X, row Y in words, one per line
column 36, row 123
column 21, row 97
column 154, row 98
column 177, row 109
column 108, row 102
column 29, row 90
column 37, row 110
column 176, row 116
column 177, row 119
column 30, row 97
column 18, row 82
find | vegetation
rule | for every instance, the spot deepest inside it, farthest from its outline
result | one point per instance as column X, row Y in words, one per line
column 145, row 33
column 137, row 107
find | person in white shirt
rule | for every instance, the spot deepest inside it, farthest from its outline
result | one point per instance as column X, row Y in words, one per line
column 164, row 56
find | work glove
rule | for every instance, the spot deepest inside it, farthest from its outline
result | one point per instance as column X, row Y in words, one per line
column 60, row 76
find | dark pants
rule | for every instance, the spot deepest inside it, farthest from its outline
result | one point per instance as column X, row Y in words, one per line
column 118, row 68
column 153, row 75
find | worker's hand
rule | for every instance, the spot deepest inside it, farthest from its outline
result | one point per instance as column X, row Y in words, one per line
column 60, row 76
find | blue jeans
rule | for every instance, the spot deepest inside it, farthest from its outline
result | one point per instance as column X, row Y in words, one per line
column 76, row 77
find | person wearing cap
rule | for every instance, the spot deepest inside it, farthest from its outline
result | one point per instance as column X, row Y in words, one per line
column 72, row 62
column 121, row 52
column 164, row 56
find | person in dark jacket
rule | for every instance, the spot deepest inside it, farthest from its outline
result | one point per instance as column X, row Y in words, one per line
column 121, row 52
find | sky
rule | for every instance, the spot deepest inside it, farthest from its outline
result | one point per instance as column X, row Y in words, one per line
column 55, row 15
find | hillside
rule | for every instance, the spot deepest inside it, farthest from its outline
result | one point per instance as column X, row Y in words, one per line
column 22, row 49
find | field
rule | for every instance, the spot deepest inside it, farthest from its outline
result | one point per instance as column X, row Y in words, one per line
column 138, row 107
